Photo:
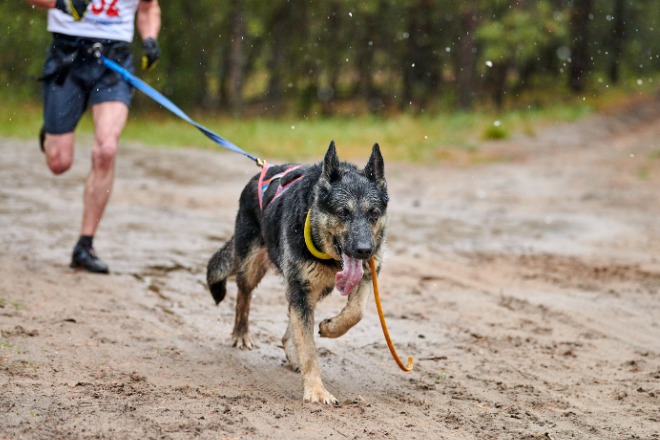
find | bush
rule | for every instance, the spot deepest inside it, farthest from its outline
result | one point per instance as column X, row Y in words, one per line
column 495, row 131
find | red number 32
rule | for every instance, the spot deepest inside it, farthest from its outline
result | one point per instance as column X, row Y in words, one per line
column 111, row 10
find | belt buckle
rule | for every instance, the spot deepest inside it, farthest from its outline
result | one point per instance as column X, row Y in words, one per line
column 96, row 49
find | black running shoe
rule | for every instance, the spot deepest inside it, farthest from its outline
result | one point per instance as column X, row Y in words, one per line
column 85, row 258
column 42, row 139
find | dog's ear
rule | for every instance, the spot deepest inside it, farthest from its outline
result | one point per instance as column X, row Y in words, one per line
column 375, row 169
column 331, row 163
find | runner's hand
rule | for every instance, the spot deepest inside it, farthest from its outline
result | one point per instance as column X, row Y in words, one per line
column 75, row 8
column 150, row 53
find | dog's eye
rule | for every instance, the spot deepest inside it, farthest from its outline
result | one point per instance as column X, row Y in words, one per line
column 343, row 212
column 374, row 214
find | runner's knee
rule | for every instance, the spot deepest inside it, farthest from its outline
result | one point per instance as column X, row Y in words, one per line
column 59, row 164
column 59, row 155
column 104, row 154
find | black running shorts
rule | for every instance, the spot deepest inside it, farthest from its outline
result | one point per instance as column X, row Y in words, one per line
column 73, row 79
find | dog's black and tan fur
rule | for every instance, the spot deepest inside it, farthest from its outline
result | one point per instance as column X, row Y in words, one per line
column 348, row 219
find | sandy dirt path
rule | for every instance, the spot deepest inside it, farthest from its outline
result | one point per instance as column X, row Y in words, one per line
column 527, row 290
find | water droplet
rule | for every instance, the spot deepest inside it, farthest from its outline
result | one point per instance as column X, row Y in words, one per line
column 563, row 53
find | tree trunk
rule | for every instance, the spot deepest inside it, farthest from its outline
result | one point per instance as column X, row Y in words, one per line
column 236, row 57
column 579, row 68
column 618, row 39
column 467, row 56
column 278, row 41
column 499, row 73
column 421, row 76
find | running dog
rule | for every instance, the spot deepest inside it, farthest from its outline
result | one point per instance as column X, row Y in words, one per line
column 318, row 225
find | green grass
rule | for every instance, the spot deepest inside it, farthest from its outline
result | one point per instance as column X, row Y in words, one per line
column 17, row 305
column 404, row 137
column 653, row 158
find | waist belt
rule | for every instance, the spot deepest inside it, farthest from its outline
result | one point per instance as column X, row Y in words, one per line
column 73, row 43
column 68, row 49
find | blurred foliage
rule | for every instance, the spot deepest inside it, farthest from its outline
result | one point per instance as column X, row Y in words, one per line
column 495, row 131
column 520, row 36
column 23, row 46
column 338, row 57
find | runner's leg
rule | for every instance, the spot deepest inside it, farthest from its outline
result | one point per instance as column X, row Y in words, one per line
column 109, row 121
column 59, row 151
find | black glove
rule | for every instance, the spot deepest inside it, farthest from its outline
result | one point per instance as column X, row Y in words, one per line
column 150, row 53
column 75, row 8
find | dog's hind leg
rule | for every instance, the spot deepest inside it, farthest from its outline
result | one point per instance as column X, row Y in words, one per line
column 251, row 269
column 350, row 315
column 290, row 350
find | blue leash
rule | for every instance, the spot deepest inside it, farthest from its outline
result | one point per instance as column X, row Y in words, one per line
column 162, row 100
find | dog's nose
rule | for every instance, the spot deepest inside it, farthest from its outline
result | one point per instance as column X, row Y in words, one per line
column 363, row 251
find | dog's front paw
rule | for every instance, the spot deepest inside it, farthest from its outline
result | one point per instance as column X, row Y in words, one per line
column 319, row 394
column 244, row 342
column 325, row 328
column 329, row 328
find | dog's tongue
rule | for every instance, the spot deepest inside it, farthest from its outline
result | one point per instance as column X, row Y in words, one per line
column 350, row 276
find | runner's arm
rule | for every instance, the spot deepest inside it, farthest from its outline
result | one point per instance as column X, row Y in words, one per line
column 148, row 18
column 43, row 4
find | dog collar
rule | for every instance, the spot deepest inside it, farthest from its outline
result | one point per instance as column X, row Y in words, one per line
column 308, row 240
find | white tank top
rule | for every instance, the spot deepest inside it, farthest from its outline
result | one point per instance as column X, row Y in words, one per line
column 106, row 19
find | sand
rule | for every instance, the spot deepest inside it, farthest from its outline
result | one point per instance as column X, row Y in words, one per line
column 525, row 285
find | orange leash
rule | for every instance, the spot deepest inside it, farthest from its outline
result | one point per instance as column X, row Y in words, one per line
column 372, row 265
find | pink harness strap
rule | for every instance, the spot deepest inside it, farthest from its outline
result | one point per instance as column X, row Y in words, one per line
column 262, row 185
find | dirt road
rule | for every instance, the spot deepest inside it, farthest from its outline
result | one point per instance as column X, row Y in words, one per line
column 527, row 290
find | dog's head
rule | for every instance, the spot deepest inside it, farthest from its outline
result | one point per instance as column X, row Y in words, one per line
column 352, row 207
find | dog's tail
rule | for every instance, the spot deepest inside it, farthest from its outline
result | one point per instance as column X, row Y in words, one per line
column 221, row 266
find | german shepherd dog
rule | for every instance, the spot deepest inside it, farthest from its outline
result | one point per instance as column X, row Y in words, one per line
column 318, row 225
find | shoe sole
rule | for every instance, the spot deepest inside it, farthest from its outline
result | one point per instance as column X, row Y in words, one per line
column 80, row 268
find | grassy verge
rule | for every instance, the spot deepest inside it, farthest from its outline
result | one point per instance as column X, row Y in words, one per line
column 425, row 138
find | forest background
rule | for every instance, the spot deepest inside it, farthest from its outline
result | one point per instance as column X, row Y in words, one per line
column 306, row 60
